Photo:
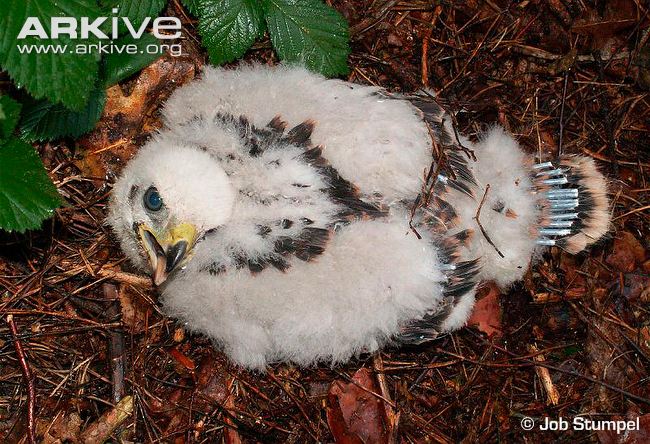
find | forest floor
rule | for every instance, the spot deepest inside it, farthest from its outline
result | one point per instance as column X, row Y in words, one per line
column 572, row 339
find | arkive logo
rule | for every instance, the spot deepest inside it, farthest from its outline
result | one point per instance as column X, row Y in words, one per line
column 84, row 28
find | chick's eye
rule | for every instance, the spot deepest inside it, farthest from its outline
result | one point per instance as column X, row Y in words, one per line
column 152, row 199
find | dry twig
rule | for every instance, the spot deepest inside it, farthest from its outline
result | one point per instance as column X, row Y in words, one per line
column 552, row 396
column 28, row 377
column 116, row 346
column 99, row 431
column 478, row 221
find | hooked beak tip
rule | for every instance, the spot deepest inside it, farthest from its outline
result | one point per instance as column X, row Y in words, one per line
column 175, row 253
column 167, row 262
column 160, row 273
column 165, row 256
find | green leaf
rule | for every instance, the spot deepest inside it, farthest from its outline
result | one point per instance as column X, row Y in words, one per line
column 135, row 10
column 117, row 67
column 192, row 6
column 309, row 32
column 229, row 27
column 27, row 195
column 65, row 77
column 43, row 120
column 9, row 115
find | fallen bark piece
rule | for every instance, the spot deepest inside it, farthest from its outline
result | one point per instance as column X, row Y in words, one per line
column 552, row 395
column 99, row 431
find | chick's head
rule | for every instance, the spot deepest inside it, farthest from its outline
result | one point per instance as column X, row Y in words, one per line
column 168, row 196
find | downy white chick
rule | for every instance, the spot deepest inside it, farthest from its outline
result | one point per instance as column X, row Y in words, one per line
column 293, row 218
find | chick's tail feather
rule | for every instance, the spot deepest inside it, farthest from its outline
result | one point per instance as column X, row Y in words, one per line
column 573, row 200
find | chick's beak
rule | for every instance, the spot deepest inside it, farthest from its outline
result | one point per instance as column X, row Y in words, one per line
column 166, row 250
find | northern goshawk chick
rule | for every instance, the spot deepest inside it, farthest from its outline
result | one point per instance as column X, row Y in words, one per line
column 293, row 218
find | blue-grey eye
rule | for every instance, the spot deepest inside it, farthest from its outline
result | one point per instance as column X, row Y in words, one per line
column 152, row 199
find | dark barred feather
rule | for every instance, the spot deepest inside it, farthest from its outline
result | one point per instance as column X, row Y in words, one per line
column 310, row 241
column 343, row 192
column 437, row 215
column 456, row 174
column 461, row 278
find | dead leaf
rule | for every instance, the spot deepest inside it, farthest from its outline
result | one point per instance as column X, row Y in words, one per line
column 617, row 15
column 127, row 121
column 354, row 414
column 135, row 312
column 626, row 253
column 574, row 283
column 214, row 386
column 487, row 310
column 212, row 381
column 634, row 285
column 565, row 63
column 602, row 347
column 64, row 428
column 182, row 359
column 557, row 318
column 629, row 176
column 179, row 335
column 641, row 436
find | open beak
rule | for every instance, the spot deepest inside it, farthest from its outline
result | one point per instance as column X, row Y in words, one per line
column 168, row 249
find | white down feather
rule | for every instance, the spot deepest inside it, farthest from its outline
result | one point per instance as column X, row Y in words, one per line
column 379, row 144
column 373, row 276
